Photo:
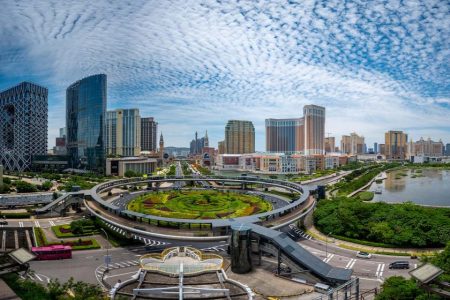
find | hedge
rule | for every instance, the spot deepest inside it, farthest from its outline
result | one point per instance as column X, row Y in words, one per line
column 22, row 215
column 57, row 231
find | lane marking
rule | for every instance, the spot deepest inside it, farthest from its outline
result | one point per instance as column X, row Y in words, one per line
column 107, row 276
column 52, row 223
column 382, row 270
column 37, row 223
column 329, row 258
column 20, row 224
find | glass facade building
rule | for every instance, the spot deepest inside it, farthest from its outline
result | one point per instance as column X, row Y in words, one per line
column 85, row 123
column 123, row 132
column 149, row 128
column 23, row 125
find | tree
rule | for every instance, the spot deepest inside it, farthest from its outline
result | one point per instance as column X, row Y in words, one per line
column 399, row 288
column 24, row 187
column 131, row 173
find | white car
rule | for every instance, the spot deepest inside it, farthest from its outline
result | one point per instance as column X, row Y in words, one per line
column 361, row 254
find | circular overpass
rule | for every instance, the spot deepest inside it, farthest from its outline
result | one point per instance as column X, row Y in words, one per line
column 217, row 229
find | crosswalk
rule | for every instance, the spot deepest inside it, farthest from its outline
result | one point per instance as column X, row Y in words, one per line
column 52, row 223
column 380, row 270
column 20, row 224
column 36, row 223
column 328, row 258
column 221, row 248
column 299, row 232
column 146, row 241
column 114, row 265
column 351, row 263
column 36, row 277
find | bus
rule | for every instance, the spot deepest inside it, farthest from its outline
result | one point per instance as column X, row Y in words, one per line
column 52, row 252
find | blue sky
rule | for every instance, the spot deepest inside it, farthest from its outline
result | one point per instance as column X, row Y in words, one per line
column 193, row 65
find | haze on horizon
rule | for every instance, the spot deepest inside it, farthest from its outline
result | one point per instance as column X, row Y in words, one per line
column 193, row 65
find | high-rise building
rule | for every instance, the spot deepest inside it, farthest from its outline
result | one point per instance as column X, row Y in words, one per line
column 85, row 118
column 426, row 148
column 60, row 143
column 284, row 135
column 314, row 129
column 447, row 149
column 352, row 144
column 123, row 132
column 23, row 125
column 221, row 147
column 395, row 145
column 149, row 130
column 197, row 144
column 382, row 149
column 330, row 144
column 375, row 148
column 239, row 137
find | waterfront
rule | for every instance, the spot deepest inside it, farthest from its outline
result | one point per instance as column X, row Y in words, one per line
column 425, row 187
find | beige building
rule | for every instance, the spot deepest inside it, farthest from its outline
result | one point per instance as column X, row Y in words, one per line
column 123, row 132
column 352, row 144
column 221, row 147
column 239, row 137
column 426, row 148
column 396, row 143
column 330, row 144
column 314, row 124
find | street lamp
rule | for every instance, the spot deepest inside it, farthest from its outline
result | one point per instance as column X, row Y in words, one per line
column 107, row 258
column 326, row 245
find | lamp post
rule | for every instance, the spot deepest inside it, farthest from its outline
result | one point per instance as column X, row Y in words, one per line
column 326, row 245
column 107, row 258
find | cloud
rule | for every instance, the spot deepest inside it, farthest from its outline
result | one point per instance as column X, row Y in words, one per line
column 195, row 64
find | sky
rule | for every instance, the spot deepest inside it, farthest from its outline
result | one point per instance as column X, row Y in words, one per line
column 193, row 65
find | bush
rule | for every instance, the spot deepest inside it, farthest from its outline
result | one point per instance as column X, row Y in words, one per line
column 402, row 225
column 21, row 215
column 366, row 196
column 25, row 187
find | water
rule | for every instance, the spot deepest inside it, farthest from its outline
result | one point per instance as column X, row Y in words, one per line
column 431, row 189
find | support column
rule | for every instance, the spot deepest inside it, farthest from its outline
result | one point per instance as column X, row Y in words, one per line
column 240, row 248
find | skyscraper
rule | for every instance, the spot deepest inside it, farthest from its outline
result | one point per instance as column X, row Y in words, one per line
column 239, row 137
column 330, row 144
column 285, row 135
column 23, row 125
column 197, row 144
column 395, row 145
column 314, row 129
column 375, row 148
column 123, row 132
column 447, row 149
column 149, row 129
column 85, row 119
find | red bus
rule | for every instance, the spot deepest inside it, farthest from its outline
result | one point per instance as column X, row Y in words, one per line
column 52, row 252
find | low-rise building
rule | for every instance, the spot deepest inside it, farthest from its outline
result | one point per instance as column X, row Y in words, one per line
column 139, row 165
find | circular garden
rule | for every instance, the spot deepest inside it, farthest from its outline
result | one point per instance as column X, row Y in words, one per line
column 199, row 204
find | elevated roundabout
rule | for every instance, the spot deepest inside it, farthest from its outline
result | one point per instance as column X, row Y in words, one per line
column 265, row 237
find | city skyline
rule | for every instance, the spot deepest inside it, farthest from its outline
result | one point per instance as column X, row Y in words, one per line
column 234, row 62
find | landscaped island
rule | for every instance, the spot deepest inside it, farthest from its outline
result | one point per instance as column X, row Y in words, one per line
column 199, row 204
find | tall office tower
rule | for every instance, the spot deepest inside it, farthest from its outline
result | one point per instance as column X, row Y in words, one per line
column 23, row 125
column 346, row 144
column 447, row 149
column 149, row 130
column 395, row 145
column 330, row 144
column 285, row 135
column 382, row 149
column 427, row 148
column 85, row 119
column 239, row 137
column 314, row 129
column 60, row 143
column 221, row 147
column 1, row 176
column 123, row 132
column 375, row 148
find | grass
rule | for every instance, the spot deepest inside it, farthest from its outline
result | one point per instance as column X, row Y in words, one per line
column 85, row 244
column 63, row 231
column 199, row 204
column 366, row 195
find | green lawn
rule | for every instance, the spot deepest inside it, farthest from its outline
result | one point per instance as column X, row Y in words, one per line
column 85, row 244
column 199, row 204
column 61, row 231
column 366, row 195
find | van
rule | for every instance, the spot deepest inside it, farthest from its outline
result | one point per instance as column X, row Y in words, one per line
column 322, row 288
column 399, row 265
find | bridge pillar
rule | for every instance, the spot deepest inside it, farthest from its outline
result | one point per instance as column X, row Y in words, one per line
column 240, row 248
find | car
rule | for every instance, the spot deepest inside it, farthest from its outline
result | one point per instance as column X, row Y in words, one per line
column 362, row 254
column 3, row 222
column 399, row 265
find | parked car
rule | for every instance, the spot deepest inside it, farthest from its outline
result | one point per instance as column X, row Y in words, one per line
column 3, row 222
column 362, row 254
column 399, row 265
